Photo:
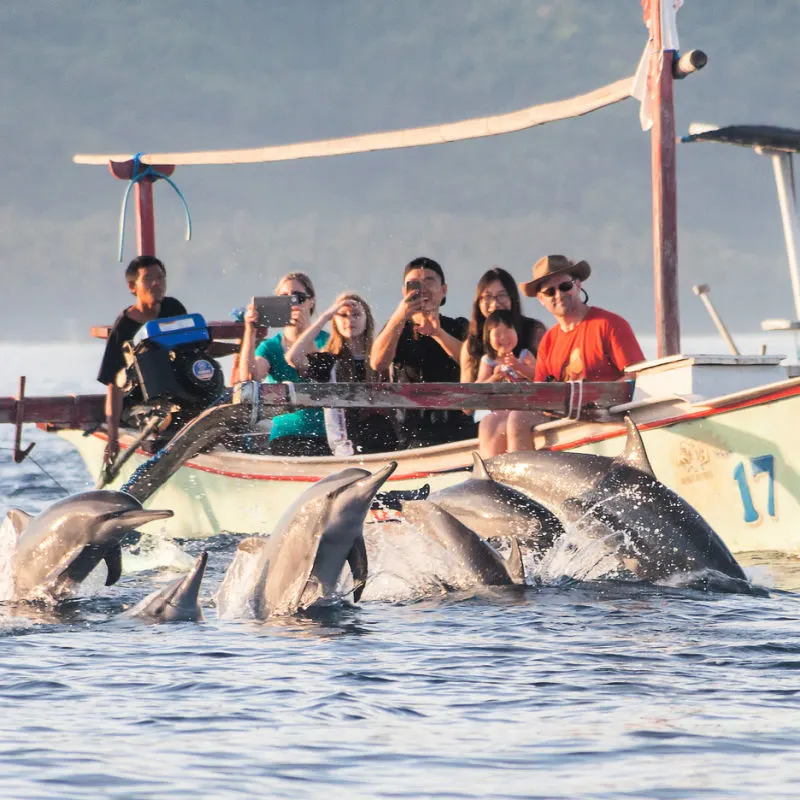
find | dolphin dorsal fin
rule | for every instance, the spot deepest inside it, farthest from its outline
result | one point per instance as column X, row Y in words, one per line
column 514, row 565
column 18, row 519
column 634, row 454
column 479, row 470
column 253, row 544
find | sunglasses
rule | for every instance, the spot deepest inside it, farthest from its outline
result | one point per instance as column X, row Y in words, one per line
column 564, row 287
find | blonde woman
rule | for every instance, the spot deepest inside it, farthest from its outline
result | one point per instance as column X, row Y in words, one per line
column 301, row 433
column 345, row 359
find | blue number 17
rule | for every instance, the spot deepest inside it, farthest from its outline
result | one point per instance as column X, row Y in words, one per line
column 758, row 466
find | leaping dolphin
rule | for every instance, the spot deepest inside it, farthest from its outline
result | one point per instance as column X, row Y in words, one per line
column 472, row 552
column 178, row 601
column 620, row 498
column 492, row 509
column 302, row 560
column 57, row 549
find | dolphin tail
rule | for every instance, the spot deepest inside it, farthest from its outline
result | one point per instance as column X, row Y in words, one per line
column 113, row 559
column 634, row 454
column 514, row 565
column 479, row 470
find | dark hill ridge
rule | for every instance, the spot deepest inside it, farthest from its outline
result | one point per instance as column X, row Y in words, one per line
column 101, row 77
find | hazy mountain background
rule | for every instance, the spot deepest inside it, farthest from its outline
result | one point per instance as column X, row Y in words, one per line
column 125, row 75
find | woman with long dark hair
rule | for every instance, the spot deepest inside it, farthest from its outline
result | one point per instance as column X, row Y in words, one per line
column 496, row 290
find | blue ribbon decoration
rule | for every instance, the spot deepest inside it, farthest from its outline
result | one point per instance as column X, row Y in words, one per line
column 141, row 172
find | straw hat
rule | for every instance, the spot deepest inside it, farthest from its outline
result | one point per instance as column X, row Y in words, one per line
column 547, row 266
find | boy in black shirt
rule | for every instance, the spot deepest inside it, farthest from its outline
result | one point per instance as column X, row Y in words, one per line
column 147, row 281
column 421, row 345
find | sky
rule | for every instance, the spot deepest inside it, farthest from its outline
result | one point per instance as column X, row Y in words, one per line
column 81, row 76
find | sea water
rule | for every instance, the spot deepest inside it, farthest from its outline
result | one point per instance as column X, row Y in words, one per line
column 594, row 689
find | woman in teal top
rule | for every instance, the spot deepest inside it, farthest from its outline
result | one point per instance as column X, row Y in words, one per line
column 301, row 433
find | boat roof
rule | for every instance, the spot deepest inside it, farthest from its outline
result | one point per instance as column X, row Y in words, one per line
column 768, row 137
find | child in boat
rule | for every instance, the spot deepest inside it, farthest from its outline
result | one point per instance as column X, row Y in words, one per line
column 344, row 359
column 301, row 433
column 502, row 359
column 496, row 290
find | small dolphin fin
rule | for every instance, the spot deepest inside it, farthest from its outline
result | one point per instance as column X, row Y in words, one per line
column 18, row 519
column 253, row 544
column 357, row 559
column 514, row 565
column 479, row 470
column 634, row 454
column 113, row 559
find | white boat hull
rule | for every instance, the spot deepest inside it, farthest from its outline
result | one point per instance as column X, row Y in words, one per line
column 735, row 458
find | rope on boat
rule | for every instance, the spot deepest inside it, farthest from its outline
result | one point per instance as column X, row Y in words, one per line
column 44, row 471
column 145, row 172
column 292, row 398
column 574, row 410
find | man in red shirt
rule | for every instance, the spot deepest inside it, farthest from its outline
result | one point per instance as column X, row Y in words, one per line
column 587, row 343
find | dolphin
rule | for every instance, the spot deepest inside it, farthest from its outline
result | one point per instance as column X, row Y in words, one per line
column 178, row 601
column 58, row 548
column 212, row 426
column 621, row 499
column 492, row 509
column 302, row 560
column 472, row 552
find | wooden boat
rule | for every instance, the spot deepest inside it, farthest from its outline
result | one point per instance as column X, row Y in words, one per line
column 720, row 430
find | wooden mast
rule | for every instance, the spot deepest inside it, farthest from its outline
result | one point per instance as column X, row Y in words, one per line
column 665, row 214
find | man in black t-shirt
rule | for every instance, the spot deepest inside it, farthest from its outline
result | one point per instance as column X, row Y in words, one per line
column 147, row 281
column 420, row 345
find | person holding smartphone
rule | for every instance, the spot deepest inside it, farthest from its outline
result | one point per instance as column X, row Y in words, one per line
column 419, row 344
column 302, row 432
column 345, row 359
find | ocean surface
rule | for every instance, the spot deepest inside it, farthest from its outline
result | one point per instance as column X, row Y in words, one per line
column 580, row 690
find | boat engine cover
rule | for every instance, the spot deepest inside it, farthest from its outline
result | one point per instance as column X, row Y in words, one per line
column 167, row 360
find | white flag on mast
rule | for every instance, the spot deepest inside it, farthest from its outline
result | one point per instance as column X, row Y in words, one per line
column 669, row 39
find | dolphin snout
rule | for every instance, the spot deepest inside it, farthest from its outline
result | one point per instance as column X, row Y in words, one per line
column 141, row 516
column 374, row 482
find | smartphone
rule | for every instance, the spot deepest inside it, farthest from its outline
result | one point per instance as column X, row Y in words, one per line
column 413, row 286
column 274, row 311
